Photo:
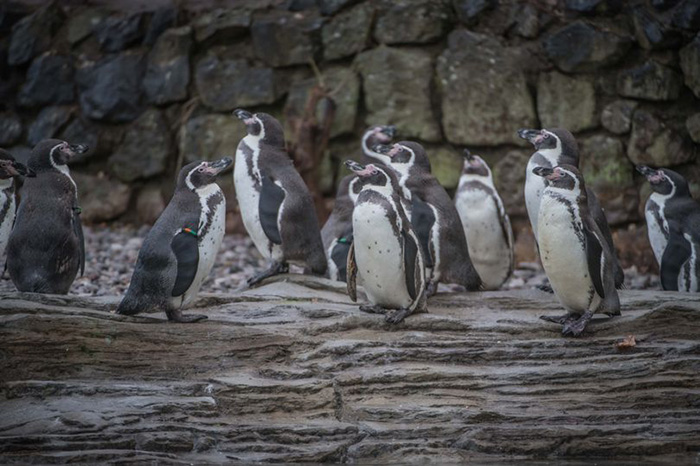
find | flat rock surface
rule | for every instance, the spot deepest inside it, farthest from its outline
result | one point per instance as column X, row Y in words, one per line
column 294, row 372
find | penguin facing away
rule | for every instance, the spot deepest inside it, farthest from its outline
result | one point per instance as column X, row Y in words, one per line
column 673, row 228
column 434, row 218
column 179, row 251
column 337, row 231
column 276, row 206
column 574, row 253
column 9, row 169
column 46, row 248
column 485, row 221
column 554, row 147
column 385, row 252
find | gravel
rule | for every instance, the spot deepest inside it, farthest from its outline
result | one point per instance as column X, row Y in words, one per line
column 111, row 256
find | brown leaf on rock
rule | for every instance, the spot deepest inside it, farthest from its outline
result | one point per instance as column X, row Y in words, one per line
column 628, row 342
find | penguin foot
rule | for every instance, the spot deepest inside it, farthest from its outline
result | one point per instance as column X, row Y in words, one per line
column 561, row 320
column 372, row 309
column 397, row 316
column 547, row 288
column 431, row 289
column 275, row 269
column 575, row 328
column 177, row 316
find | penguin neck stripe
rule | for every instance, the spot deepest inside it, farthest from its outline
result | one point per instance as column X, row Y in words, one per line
column 61, row 168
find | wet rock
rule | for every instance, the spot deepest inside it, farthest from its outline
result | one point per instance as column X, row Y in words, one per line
column 687, row 15
column 692, row 124
column 209, row 137
column 690, row 64
column 412, row 21
column 484, row 96
column 49, row 81
column 163, row 19
column 566, row 102
column 168, row 70
column 221, row 25
column 396, row 85
column 656, row 142
column 81, row 24
column 346, row 99
column 580, row 46
column 32, row 34
column 110, row 89
column 509, row 177
column 468, row 11
column 225, row 84
column 81, row 131
column 617, row 116
column 331, row 7
column 285, row 38
column 150, row 204
column 10, row 129
column 47, row 124
column 145, row 150
column 347, row 33
column 650, row 81
column 651, row 31
column 446, row 165
column 101, row 198
column 115, row 33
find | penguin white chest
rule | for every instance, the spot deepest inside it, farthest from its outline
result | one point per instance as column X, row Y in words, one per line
column 379, row 256
column 657, row 227
column 563, row 255
column 534, row 185
column 7, row 210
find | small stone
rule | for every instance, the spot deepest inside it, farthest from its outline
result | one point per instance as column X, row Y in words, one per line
column 115, row 33
column 101, row 198
column 617, row 116
column 80, row 130
column 225, row 84
column 347, row 33
column 565, row 102
column 331, row 7
column 412, row 21
column 163, row 19
column 527, row 20
column 150, row 204
column 651, row 32
column 657, row 143
column 32, row 34
column 690, row 64
column 10, row 129
column 49, row 81
column 692, row 123
column 209, row 137
column 47, row 124
column 145, row 150
column 81, row 24
column 284, row 38
column 687, row 15
column 446, row 165
column 221, row 25
column 580, row 46
column 650, row 81
column 168, row 70
column 468, row 11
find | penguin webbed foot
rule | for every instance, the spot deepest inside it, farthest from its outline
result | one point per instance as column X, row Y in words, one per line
column 546, row 287
column 177, row 316
column 372, row 309
column 397, row 316
column 561, row 320
column 276, row 268
column 575, row 328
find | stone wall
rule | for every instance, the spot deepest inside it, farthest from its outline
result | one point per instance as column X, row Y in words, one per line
column 151, row 90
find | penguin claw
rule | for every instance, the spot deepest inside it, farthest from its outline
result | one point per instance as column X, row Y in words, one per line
column 545, row 288
column 561, row 320
column 576, row 327
column 372, row 309
column 397, row 316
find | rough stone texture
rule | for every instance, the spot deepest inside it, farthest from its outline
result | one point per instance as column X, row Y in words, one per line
column 209, row 137
column 396, row 85
column 468, row 11
column 101, row 198
column 163, row 19
column 484, row 97
column 348, row 33
column 687, row 15
column 657, row 143
column 168, row 70
column 690, row 63
column 150, row 204
column 293, row 374
column 115, row 33
column 282, row 38
column 330, row 7
column 509, row 178
column 527, row 20
column 651, row 31
column 10, row 129
column 145, row 149
column 583, row 47
column 47, row 124
column 411, row 21
column 566, row 102
column 32, row 34
column 225, row 84
column 693, row 126
column 49, row 82
column 110, row 89
column 80, row 24
column 651, row 81
column 617, row 116
column 446, row 165
column 80, row 131
column 221, row 25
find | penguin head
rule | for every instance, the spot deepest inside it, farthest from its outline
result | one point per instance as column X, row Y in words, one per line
column 563, row 178
column 380, row 134
column 558, row 140
column 372, row 175
column 665, row 181
column 475, row 165
column 406, row 154
column 201, row 174
column 262, row 126
column 10, row 168
column 54, row 153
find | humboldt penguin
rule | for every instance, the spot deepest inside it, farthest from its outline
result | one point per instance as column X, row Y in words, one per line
column 9, row 169
column 385, row 252
column 376, row 135
column 276, row 206
column 485, row 222
column 46, row 247
column 179, row 251
column 575, row 256
column 673, row 227
column 337, row 231
column 558, row 147
column 434, row 218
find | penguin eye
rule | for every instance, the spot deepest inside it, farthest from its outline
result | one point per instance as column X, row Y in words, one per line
column 200, row 169
column 546, row 136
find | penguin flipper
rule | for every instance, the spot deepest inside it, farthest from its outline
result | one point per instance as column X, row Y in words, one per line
column 410, row 257
column 186, row 248
column 78, row 230
column 352, row 274
column 675, row 255
column 422, row 220
column 339, row 255
column 594, row 255
column 271, row 198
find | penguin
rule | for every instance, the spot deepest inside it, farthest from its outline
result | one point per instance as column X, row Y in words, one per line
column 434, row 218
column 376, row 135
column 46, row 248
column 385, row 252
column 336, row 233
column 673, row 227
column 179, row 250
column 485, row 221
column 558, row 147
column 9, row 169
column 575, row 255
column 276, row 206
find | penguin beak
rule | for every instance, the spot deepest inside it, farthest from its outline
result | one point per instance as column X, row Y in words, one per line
column 542, row 171
column 23, row 170
column 468, row 155
column 381, row 149
column 243, row 114
column 8, row 169
column 354, row 166
column 644, row 170
column 75, row 149
column 652, row 176
column 529, row 135
column 219, row 166
column 390, row 131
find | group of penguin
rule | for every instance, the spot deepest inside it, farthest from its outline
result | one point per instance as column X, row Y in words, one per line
column 394, row 229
